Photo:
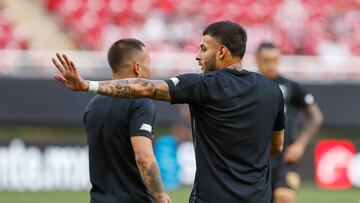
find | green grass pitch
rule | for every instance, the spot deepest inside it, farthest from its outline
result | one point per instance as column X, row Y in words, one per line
column 308, row 194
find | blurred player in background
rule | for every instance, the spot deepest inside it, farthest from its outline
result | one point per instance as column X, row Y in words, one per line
column 122, row 162
column 285, row 177
column 237, row 115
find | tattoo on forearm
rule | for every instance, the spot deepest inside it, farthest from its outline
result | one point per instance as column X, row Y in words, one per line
column 153, row 180
column 122, row 88
column 151, row 176
column 161, row 90
column 105, row 88
column 135, row 88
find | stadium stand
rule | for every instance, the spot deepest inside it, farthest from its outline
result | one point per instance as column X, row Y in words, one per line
column 95, row 23
column 42, row 32
column 11, row 36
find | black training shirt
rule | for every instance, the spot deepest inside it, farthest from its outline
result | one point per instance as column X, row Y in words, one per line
column 233, row 116
column 296, row 99
column 110, row 122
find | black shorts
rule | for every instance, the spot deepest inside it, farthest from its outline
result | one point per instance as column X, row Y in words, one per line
column 284, row 175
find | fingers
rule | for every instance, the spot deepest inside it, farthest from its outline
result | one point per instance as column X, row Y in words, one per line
column 57, row 65
column 73, row 66
column 62, row 61
column 59, row 78
column 69, row 63
column 65, row 63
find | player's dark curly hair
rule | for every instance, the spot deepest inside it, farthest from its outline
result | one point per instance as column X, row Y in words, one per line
column 230, row 34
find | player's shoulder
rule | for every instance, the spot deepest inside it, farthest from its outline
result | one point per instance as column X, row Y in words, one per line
column 286, row 81
column 186, row 79
column 291, row 85
column 190, row 76
column 99, row 100
column 146, row 104
column 257, row 75
column 101, row 103
column 98, row 103
column 262, row 79
column 94, row 102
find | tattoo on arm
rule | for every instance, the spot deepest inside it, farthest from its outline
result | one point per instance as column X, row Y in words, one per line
column 135, row 88
column 153, row 179
column 122, row 88
column 151, row 176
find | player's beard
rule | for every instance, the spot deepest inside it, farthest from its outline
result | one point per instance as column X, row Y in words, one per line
column 210, row 64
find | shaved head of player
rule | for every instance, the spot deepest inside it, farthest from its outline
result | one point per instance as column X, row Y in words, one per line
column 129, row 58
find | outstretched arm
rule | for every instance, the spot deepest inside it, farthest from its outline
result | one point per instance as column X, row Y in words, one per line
column 135, row 88
column 125, row 88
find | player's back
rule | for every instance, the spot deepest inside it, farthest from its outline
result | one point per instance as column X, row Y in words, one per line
column 113, row 171
column 233, row 126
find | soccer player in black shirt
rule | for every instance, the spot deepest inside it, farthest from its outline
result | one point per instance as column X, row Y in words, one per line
column 285, row 177
column 237, row 116
column 123, row 168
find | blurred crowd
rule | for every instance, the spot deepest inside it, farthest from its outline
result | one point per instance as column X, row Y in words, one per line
column 11, row 35
column 304, row 27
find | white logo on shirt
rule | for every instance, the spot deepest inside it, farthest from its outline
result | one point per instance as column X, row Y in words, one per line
column 146, row 127
column 309, row 99
column 175, row 80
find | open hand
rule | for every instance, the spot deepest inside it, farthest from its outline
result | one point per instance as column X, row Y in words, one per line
column 68, row 74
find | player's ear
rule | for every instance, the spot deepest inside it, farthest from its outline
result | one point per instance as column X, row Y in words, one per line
column 137, row 70
column 222, row 51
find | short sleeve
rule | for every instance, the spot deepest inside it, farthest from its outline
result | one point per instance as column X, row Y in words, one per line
column 141, row 118
column 280, row 117
column 300, row 97
column 88, row 109
column 186, row 88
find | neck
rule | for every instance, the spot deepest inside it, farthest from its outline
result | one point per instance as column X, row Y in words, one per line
column 236, row 66
column 122, row 75
column 235, row 63
column 271, row 77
